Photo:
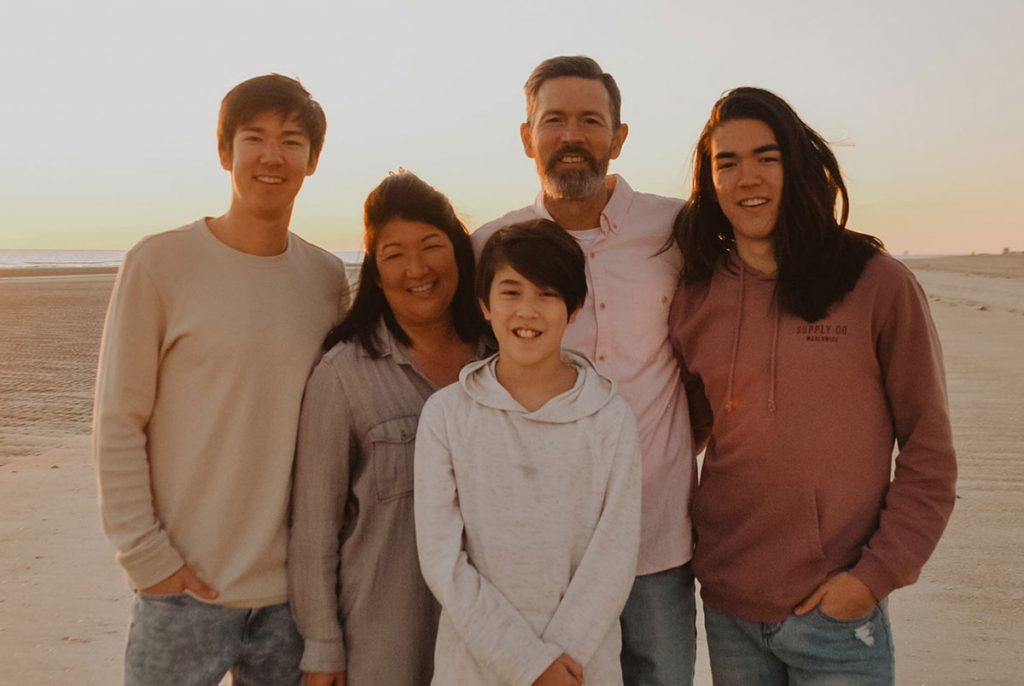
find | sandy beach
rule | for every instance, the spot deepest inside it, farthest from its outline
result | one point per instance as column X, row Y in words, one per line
column 64, row 605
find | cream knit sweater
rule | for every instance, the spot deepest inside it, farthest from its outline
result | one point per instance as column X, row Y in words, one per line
column 204, row 358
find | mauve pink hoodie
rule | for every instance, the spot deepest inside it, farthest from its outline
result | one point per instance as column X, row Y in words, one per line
column 797, row 482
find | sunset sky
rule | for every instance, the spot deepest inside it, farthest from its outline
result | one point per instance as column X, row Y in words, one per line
column 109, row 108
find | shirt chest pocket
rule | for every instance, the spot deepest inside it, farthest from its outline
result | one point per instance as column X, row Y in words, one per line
column 392, row 444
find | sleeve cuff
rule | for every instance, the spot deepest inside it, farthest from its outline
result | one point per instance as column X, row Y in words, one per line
column 323, row 656
column 874, row 575
column 152, row 566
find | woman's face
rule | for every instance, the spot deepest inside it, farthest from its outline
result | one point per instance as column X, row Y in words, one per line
column 418, row 272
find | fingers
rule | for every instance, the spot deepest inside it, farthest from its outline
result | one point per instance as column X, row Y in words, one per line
column 575, row 669
column 197, row 585
column 324, row 679
column 847, row 598
column 811, row 601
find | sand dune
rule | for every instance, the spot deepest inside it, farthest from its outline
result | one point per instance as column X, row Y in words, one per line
column 64, row 607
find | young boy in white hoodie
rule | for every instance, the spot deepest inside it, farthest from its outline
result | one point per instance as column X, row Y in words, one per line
column 527, row 485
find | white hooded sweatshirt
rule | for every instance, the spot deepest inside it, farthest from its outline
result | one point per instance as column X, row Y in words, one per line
column 527, row 525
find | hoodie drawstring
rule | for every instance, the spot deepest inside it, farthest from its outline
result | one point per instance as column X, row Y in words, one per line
column 730, row 402
column 775, row 348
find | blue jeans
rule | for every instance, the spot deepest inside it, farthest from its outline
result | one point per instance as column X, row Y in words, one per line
column 811, row 650
column 659, row 632
column 176, row 640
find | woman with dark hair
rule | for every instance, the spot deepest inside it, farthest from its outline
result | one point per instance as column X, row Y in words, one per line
column 807, row 352
column 359, row 599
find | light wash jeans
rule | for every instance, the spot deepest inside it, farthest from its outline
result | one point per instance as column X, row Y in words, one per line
column 811, row 650
column 176, row 640
column 659, row 632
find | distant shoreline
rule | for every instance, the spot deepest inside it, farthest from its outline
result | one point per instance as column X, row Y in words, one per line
column 35, row 272
column 982, row 264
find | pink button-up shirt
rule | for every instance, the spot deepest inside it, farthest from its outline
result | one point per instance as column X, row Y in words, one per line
column 623, row 328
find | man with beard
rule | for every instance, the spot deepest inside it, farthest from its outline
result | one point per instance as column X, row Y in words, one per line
column 572, row 131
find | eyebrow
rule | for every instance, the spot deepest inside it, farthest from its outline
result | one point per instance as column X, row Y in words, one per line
column 437, row 233
column 585, row 113
column 261, row 129
column 770, row 147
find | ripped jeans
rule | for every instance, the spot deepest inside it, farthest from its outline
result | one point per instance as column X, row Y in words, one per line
column 811, row 650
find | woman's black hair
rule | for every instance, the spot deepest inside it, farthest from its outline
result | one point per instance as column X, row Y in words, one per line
column 819, row 260
column 406, row 196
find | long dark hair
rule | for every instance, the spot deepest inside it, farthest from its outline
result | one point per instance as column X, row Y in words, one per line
column 819, row 259
column 406, row 196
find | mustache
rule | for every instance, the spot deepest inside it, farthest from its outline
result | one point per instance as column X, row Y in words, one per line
column 571, row 150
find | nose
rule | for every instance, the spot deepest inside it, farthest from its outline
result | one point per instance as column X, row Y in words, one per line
column 571, row 132
column 416, row 266
column 750, row 175
column 526, row 308
column 272, row 152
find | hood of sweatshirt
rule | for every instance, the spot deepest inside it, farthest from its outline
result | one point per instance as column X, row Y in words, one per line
column 590, row 393
column 734, row 267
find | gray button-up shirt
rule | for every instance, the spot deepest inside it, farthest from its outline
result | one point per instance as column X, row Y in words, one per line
column 355, row 586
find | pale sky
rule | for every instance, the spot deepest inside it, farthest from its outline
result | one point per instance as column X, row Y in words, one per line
column 110, row 108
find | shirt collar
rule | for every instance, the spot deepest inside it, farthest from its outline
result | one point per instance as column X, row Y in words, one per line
column 389, row 346
column 612, row 214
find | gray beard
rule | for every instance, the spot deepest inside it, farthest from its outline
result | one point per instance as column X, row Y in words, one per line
column 574, row 184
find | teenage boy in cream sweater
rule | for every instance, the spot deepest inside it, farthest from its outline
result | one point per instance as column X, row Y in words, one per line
column 212, row 331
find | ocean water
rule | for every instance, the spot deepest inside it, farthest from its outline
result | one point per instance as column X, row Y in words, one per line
column 44, row 259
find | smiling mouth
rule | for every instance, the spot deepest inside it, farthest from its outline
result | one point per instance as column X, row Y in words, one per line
column 270, row 179
column 571, row 155
column 424, row 288
column 522, row 332
column 753, row 202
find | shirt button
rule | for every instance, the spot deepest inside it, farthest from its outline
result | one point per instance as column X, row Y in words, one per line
column 593, row 254
column 601, row 306
column 600, row 358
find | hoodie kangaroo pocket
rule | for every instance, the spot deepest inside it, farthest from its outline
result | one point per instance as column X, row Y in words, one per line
column 756, row 539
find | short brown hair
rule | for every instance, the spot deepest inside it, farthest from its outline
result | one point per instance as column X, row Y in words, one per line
column 271, row 93
column 579, row 66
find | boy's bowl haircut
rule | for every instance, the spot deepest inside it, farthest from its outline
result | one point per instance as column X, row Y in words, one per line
column 540, row 250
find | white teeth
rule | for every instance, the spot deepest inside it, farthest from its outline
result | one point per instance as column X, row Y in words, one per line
column 421, row 289
column 270, row 179
column 526, row 333
column 572, row 159
column 753, row 202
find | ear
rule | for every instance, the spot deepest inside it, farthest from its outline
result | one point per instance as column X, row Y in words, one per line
column 572, row 317
column 225, row 157
column 618, row 138
column 526, row 135
column 313, row 161
column 484, row 309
